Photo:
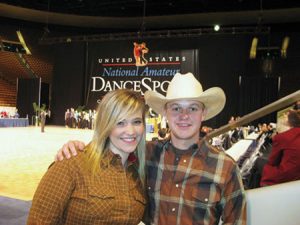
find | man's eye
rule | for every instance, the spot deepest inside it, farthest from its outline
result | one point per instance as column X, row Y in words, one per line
column 176, row 109
column 194, row 109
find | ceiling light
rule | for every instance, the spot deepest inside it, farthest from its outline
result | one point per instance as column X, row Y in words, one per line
column 22, row 42
column 253, row 48
column 284, row 46
column 216, row 27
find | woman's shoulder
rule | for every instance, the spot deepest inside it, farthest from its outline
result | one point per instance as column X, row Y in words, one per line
column 74, row 163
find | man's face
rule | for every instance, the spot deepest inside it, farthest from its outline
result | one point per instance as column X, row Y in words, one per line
column 184, row 119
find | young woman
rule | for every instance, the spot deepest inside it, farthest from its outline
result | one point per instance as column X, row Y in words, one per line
column 105, row 183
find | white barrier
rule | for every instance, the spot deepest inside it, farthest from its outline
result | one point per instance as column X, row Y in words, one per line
column 274, row 205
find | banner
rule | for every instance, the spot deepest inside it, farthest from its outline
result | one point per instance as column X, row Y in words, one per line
column 135, row 67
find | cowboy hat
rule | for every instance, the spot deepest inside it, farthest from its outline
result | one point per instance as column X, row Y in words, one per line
column 186, row 86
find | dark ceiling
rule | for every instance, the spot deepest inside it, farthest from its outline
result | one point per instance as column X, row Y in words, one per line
column 153, row 14
column 137, row 8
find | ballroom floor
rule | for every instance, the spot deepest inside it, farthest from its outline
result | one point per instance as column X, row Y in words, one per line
column 26, row 153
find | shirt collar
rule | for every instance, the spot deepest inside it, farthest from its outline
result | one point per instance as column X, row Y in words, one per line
column 200, row 146
column 115, row 159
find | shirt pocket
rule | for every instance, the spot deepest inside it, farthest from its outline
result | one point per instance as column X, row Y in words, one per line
column 139, row 197
column 101, row 201
column 206, row 195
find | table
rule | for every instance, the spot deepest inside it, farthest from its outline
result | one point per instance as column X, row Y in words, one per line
column 14, row 122
column 239, row 149
column 252, row 136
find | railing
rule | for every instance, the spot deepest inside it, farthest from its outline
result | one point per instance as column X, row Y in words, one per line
column 275, row 106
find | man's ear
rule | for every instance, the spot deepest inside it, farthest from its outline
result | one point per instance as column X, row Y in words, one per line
column 204, row 112
column 164, row 114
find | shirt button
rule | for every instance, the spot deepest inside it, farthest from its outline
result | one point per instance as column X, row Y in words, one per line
column 173, row 210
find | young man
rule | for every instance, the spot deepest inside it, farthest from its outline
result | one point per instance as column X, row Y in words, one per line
column 189, row 181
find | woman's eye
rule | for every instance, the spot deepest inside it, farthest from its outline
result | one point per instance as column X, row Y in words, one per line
column 121, row 123
column 137, row 122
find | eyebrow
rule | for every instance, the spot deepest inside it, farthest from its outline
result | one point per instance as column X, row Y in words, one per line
column 193, row 104
column 135, row 118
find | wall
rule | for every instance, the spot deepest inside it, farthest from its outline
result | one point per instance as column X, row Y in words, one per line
column 222, row 59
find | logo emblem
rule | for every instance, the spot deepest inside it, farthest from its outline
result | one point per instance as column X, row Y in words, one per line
column 139, row 51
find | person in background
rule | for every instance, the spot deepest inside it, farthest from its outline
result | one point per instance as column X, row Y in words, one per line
column 188, row 180
column 163, row 134
column 297, row 105
column 16, row 114
column 73, row 118
column 284, row 161
column 43, row 115
column 68, row 118
column 105, row 183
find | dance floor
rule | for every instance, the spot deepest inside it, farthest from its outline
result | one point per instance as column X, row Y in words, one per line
column 26, row 153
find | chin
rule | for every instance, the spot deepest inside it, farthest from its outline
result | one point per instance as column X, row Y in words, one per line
column 129, row 150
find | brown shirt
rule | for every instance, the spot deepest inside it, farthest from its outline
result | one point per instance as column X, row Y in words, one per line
column 195, row 186
column 67, row 194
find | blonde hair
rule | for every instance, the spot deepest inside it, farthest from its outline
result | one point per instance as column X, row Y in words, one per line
column 114, row 107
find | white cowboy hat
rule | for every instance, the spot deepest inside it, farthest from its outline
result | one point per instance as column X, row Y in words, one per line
column 186, row 86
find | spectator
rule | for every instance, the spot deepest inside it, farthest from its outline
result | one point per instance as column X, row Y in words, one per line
column 163, row 134
column 297, row 105
column 284, row 161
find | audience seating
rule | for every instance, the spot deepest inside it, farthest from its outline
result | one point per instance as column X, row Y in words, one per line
column 8, row 93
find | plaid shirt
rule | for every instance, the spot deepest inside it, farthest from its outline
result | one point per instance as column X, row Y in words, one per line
column 195, row 186
column 67, row 194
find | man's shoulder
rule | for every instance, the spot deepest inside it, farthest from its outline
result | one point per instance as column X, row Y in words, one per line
column 215, row 152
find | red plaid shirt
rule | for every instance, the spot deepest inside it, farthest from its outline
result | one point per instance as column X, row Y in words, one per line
column 196, row 186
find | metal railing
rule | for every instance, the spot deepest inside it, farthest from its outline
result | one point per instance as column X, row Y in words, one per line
column 275, row 106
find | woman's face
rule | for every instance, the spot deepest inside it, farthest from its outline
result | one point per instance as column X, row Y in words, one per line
column 127, row 133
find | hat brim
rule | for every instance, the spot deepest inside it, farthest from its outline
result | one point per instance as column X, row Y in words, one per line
column 213, row 99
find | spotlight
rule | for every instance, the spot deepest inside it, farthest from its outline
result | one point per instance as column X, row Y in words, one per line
column 217, row 27
column 284, row 46
column 253, row 48
column 22, row 42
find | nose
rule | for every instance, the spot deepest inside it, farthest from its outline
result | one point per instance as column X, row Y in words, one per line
column 130, row 129
column 184, row 114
